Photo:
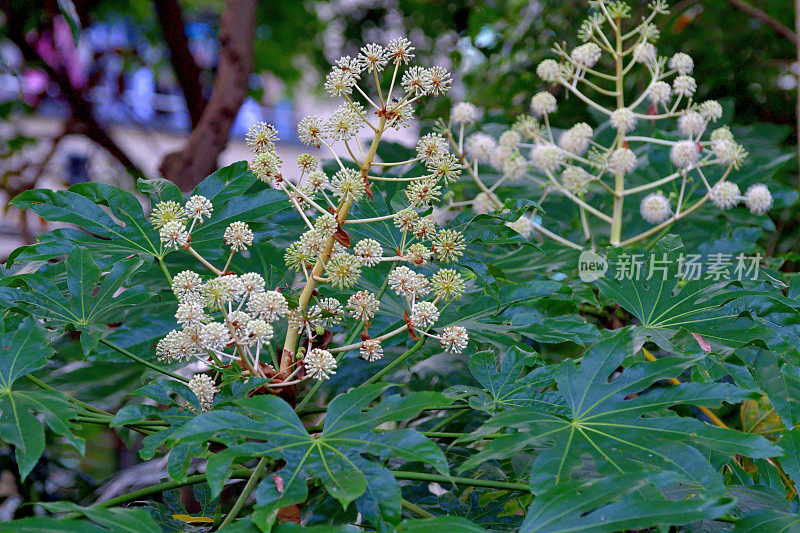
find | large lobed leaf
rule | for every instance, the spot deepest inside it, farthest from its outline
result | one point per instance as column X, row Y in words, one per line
column 346, row 457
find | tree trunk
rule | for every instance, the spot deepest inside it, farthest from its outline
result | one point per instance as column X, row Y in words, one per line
column 186, row 70
column 199, row 156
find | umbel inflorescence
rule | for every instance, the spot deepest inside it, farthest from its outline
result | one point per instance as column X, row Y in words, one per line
column 230, row 318
column 575, row 164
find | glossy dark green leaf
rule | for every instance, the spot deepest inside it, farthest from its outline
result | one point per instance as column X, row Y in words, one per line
column 92, row 297
column 609, row 409
column 335, row 456
column 23, row 351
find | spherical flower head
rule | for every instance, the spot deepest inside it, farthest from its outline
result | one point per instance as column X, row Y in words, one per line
column 371, row 350
column 446, row 168
column 373, row 57
column 326, row 225
column 480, row 147
column 576, row 139
column 454, row 339
column 252, row 283
column 368, row 251
column 307, row 163
column 655, row 208
column 424, row 314
column 711, row 110
column 438, row 80
column 203, row 387
column 421, row 193
column 682, row 63
column 576, row 180
column 261, row 137
column 317, row 181
column 464, row 113
column 448, row 245
column 168, row 349
column 510, row 139
column 725, row 194
column 198, row 207
column 729, row 152
column 721, row 134
column 547, row 157
column 173, row 234
column 348, row 185
column 399, row 51
column 523, row 225
column 363, row 305
column 343, row 270
column 260, row 331
column 238, row 236
column 424, row 228
column 219, row 291
column 684, row 154
column 543, row 103
column 660, row 92
column 329, row 310
column 586, row 55
column 514, row 168
column 447, row 284
column 758, row 199
column 311, row 131
column 622, row 161
column 623, row 120
column 691, row 124
column 267, row 166
column 187, row 285
column 549, row 70
column 527, row 126
column 406, row 218
column 269, row 306
column 190, row 312
column 215, row 336
column 345, row 122
column 320, row 364
column 684, row 85
column 165, row 212
column 645, row 53
column 432, row 146
column 485, row 203
column 343, row 77
column 405, row 282
column 415, row 81
column 417, row 254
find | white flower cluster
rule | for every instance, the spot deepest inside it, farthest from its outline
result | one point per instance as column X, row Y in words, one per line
column 575, row 164
column 232, row 318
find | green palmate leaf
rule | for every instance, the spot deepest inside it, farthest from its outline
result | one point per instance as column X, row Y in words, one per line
column 780, row 381
column 94, row 298
column 616, row 503
column 123, row 232
column 790, row 443
column 22, row 351
column 651, row 287
column 115, row 519
column 510, row 386
column 345, row 457
column 768, row 520
column 440, row 523
column 607, row 415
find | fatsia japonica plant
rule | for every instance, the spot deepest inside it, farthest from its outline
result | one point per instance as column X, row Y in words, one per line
column 618, row 166
column 340, row 345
